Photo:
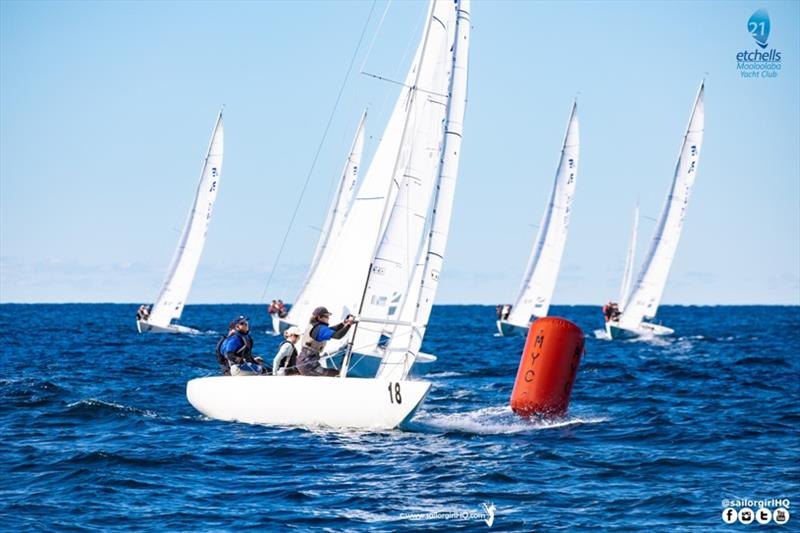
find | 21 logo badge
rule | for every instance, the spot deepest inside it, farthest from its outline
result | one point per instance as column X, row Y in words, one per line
column 758, row 26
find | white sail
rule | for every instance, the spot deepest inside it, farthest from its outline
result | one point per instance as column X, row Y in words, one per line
column 627, row 274
column 178, row 282
column 331, row 230
column 649, row 287
column 541, row 273
column 415, row 176
column 341, row 270
column 344, row 194
column 406, row 341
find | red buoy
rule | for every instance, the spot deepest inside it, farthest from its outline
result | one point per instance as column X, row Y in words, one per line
column 547, row 368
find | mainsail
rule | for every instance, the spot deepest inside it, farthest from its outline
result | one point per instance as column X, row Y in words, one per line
column 409, row 145
column 406, row 339
column 643, row 301
column 627, row 273
column 541, row 273
column 178, row 282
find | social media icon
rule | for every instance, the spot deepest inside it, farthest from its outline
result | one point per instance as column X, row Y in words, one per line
column 729, row 515
column 763, row 516
column 746, row 515
column 780, row 515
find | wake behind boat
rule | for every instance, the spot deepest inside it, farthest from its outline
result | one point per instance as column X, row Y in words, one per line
column 393, row 287
column 541, row 273
column 180, row 275
column 627, row 320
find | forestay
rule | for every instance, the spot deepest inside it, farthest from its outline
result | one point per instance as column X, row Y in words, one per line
column 541, row 273
column 649, row 287
column 180, row 275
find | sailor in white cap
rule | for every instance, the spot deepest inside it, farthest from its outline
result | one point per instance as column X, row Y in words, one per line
column 285, row 361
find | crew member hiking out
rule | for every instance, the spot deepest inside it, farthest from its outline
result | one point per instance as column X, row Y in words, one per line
column 313, row 341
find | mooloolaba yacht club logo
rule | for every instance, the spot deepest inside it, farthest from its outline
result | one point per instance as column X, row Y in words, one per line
column 759, row 62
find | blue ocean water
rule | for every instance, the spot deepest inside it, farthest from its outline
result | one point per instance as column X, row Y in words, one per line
column 97, row 433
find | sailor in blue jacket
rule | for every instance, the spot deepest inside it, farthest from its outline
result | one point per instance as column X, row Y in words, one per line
column 235, row 351
column 313, row 341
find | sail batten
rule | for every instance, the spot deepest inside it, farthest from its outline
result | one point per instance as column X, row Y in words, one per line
column 178, row 281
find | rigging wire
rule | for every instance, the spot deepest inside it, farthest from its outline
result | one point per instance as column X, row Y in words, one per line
column 319, row 149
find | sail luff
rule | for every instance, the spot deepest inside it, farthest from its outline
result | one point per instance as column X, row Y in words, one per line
column 544, row 263
column 648, row 289
column 178, row 281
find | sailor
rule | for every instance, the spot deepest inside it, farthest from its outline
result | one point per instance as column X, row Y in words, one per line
column 285, row 362
column 273, row 307
column 499, row 310
column 505, row 312
column 282, row 309
column 611, row 311
column 235, row 351
column 143, row 313
column 313, row 341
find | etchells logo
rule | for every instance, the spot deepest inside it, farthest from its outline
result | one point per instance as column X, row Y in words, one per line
column 759, row 63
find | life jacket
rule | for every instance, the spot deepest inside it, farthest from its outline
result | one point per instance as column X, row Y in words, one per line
column 311, row 346
column 243, row 354
column 291, row 361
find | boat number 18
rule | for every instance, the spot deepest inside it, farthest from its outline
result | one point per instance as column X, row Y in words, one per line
column 394, row 395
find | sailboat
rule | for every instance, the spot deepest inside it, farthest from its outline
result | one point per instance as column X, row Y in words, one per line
column 340, row 207
column 419, row 152
column 538, row 284
column 178, row 282
column 643, row 299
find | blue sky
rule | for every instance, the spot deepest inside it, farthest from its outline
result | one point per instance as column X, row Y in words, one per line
column 106, row 109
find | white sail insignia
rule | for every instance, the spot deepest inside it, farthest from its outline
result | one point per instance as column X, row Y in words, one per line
column 180, row 275
column 538, row 284
column 648, row 289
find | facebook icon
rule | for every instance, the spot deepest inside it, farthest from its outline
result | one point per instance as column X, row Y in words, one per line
column 729, row 515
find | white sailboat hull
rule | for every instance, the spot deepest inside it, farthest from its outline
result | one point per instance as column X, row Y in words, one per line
column 507, row 329
column 307, row 401
column 278, row 326
column 615, row 330
column 146, row 327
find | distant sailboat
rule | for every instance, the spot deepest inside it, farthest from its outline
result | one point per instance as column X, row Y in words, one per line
column 644, row 298
column 340, row 207
column 180, row 275
column 394, row 281
column 541, row 274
